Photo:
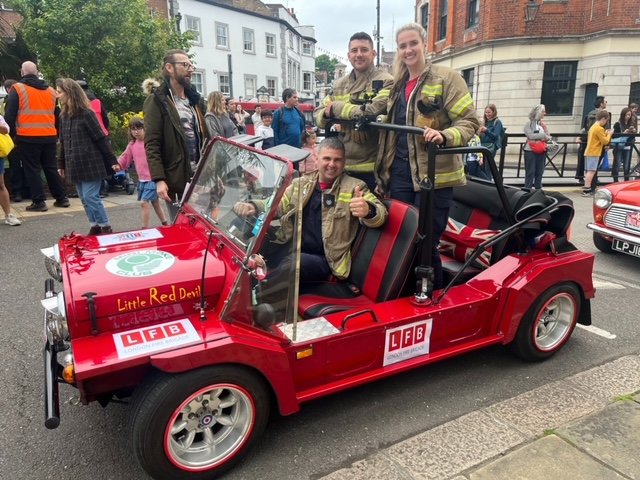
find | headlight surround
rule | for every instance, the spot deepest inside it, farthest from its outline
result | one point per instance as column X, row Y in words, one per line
column 52, row 262
column 55, row 319
column 602, row 198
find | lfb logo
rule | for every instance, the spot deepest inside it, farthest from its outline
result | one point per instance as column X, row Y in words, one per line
column 407, row 336
column 153, row 334
column 633, row 219
column 141, row 263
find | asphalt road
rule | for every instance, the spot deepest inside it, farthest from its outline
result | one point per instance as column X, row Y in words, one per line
column 328, row 434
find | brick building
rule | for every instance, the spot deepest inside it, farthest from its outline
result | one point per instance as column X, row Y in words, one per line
column 518, row 53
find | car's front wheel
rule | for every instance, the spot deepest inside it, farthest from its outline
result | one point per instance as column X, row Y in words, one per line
column 601, row 243
column 548, row 324
column 197, row 425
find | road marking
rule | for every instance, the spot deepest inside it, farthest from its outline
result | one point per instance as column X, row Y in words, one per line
column 604, row 285
column 615, row 281
column 598, row 331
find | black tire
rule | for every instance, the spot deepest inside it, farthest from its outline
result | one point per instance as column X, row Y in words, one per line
column 131, row 188
column 601, row 243
column 224, row 404
column 548, row 324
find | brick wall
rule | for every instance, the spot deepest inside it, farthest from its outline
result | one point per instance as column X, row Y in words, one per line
column 503, row 19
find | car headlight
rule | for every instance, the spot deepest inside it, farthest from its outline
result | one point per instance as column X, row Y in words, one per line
column 602, row 198
column 52, row 262
column 55, row 319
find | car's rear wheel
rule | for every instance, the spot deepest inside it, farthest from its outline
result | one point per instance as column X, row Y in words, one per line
column 548, row 324
column 601, row 243
column 197, row 425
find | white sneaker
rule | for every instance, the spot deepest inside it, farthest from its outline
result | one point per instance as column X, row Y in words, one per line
column 12, row 220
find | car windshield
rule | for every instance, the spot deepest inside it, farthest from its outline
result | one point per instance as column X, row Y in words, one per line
column 232, row 174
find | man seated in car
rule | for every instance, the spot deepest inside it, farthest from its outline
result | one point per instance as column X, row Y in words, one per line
column 333, row 206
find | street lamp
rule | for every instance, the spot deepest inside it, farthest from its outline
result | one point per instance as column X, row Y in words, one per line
column 530, row 11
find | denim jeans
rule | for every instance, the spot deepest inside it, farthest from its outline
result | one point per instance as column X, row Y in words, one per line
column 621, row 156
column 533, row 169
column 89, row 194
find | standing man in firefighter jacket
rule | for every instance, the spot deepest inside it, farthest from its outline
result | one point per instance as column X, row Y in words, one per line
column 346, row 102
column 32, row 113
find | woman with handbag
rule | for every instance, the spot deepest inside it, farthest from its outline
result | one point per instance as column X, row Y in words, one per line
column 535, row 148
column 7, row 145
column 85, row 153
column 622, row 145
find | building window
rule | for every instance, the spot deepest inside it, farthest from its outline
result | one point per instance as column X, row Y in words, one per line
column 272, row 86
column 248, row 40
column 222, row 35
column 250, row 82
column 224, row 83
column 469, row 78
column 634, row 93
column 193, row 25
column 424, row 16
column 474, row 13
column 558, row 87
column 270, row 42
column 307, row 81
column 197, row 80
column 307, row 48
column 444, row 7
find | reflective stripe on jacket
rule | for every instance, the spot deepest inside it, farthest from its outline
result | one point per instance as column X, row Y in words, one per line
column 452, row 111
column 36, row 112
column 339, row 227
column 349, row 92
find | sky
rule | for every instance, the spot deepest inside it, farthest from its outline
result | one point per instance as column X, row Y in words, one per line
column 336, row 20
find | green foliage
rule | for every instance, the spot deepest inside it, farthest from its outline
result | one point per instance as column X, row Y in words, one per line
column 324, row 63
column 119, row 130
column 112, row 44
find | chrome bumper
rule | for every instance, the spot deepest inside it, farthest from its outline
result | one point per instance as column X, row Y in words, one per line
column 626, row 237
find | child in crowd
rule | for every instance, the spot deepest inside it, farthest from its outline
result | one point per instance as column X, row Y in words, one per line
column 310, row 164
column 597, row 139
column 265, row 130
column 9, row 218
column 475, row 161
column 135, row 153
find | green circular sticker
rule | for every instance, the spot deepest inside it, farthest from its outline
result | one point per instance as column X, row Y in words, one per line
column 141, row 263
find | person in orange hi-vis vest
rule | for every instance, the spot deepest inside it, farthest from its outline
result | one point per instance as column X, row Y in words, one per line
column 32, row 116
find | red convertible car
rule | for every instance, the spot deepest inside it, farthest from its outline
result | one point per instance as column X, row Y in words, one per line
column 616, row 218
column 188, row 322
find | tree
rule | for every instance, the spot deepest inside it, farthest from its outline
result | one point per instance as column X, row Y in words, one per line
column 112, row 44
column 324, row 63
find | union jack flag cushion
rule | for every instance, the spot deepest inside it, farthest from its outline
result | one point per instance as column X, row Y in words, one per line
column 459, row 241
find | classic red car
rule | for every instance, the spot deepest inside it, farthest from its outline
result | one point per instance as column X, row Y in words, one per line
column 616, row 218
column 187, row 321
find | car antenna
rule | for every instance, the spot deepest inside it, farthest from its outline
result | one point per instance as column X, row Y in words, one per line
column 203, row 299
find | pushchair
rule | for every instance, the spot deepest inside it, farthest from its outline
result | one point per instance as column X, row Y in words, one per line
column 118, row 182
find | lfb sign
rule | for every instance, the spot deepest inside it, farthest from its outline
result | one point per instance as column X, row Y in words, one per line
column 407, row 341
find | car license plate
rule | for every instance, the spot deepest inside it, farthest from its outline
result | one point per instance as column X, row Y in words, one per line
column 626, row 247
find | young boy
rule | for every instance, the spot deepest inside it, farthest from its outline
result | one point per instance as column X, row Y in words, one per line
column 265, row 130
column 597, row 139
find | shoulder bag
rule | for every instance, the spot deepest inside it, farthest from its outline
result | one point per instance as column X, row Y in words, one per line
column 6, row 145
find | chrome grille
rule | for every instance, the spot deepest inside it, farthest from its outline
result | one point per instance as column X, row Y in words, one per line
column 616, row 217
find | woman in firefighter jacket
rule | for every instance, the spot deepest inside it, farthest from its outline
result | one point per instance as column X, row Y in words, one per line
column 434, row 98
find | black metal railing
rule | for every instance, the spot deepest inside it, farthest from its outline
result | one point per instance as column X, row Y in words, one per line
column 562, row 165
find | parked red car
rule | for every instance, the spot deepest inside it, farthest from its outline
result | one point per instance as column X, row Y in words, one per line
column 616, row 218
column 187, row 321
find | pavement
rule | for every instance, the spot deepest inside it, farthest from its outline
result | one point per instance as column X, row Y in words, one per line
column 585, row 427
column 114, row 199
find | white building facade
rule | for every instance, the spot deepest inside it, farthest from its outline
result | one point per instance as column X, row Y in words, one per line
column 238, row 51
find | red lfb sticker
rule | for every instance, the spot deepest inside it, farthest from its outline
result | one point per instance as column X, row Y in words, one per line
column 407, row 341
column 633, row 219
column 144, row 341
